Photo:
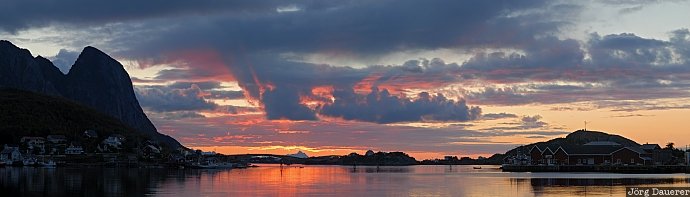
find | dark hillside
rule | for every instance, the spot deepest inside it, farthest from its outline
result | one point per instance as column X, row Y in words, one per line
column 578, row 137
column 24, row 113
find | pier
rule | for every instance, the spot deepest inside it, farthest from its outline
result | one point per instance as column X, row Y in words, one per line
column 635, row 169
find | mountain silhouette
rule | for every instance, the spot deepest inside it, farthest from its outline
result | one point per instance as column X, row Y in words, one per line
column 95, row 80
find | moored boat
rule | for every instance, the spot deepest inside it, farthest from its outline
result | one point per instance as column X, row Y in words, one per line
column 48, row 164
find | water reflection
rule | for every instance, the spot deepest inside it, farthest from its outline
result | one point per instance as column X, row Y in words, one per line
column 295, row 180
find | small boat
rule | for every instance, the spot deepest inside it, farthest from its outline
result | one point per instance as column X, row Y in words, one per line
column 48, row 164
column 477, row 167
column 208, row 164
column 226, row 165
column 29, row 162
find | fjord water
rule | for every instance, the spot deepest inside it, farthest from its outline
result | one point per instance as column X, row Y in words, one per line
column 294, row 180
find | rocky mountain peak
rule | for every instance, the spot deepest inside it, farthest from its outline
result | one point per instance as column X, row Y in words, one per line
column 95, row 80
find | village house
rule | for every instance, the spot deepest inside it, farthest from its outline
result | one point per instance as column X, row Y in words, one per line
column 151, row 151
column 114, row 140
column 519, row 159
column 90, row 134
column 593, row 153
column 112, row 143
column 10, row 154
column 74, row 150
column 33, row 144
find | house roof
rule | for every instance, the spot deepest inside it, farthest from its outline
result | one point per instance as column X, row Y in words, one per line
column 533, row 147
column 31, row 138
column 590, row 149
column 56, row 137
column 8, row 150
column 634, row 149
column 90, row 133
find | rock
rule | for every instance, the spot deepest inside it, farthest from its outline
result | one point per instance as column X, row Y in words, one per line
column 299, row 154
column 95, row 80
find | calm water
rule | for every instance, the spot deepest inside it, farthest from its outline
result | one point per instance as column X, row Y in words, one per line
column 272, row 180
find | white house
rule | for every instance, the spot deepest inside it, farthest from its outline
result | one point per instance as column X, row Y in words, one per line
column 74, row 150
column 56, row 139
column 114, row 141
column 34, row 143
column 90, row 134
column 10, row 153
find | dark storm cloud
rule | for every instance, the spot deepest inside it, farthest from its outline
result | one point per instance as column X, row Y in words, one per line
column 178, row 115
column 252, row 42
column 382, row 107
column 525, row 123
column 226, row 94
column 617, row 58
column 19, row 15
column 359, row 28
column 165, row 99
column 619, row 67
column 212, row 88
column 544, row 59
column 204, row 85
column 279, row 86
column 253, row 39
column 283, row 103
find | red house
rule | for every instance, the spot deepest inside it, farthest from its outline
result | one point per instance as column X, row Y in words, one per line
column 598, row 153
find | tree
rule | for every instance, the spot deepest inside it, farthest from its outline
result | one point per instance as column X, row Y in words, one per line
column 670, row 145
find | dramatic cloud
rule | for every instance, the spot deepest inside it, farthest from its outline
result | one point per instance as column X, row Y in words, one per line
column 164, row 99
column 286, row 89
column 382, row 107
column 523, row 124
column 356, row 67
column 498, row 116
column 36, row 13
column 283, row 103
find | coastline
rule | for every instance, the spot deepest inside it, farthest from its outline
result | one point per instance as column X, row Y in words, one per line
column 629, row 169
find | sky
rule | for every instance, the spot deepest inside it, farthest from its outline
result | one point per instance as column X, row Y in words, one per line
column 430, row 78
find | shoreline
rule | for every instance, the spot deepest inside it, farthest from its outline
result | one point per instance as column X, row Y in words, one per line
column 634, row 169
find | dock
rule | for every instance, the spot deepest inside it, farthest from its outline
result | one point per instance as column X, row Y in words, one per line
column 635, row 169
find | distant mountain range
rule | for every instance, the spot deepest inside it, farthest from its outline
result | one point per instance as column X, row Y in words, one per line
column 95, row 80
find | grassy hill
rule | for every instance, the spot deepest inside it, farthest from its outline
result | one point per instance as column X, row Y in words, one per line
column 578, row 137
column 25, row 113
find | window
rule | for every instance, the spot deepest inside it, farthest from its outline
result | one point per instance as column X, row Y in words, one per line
column 632, row 160
column 618, row 161
column 579, row 160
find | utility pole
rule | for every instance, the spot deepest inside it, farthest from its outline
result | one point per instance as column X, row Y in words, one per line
column 585, row 125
